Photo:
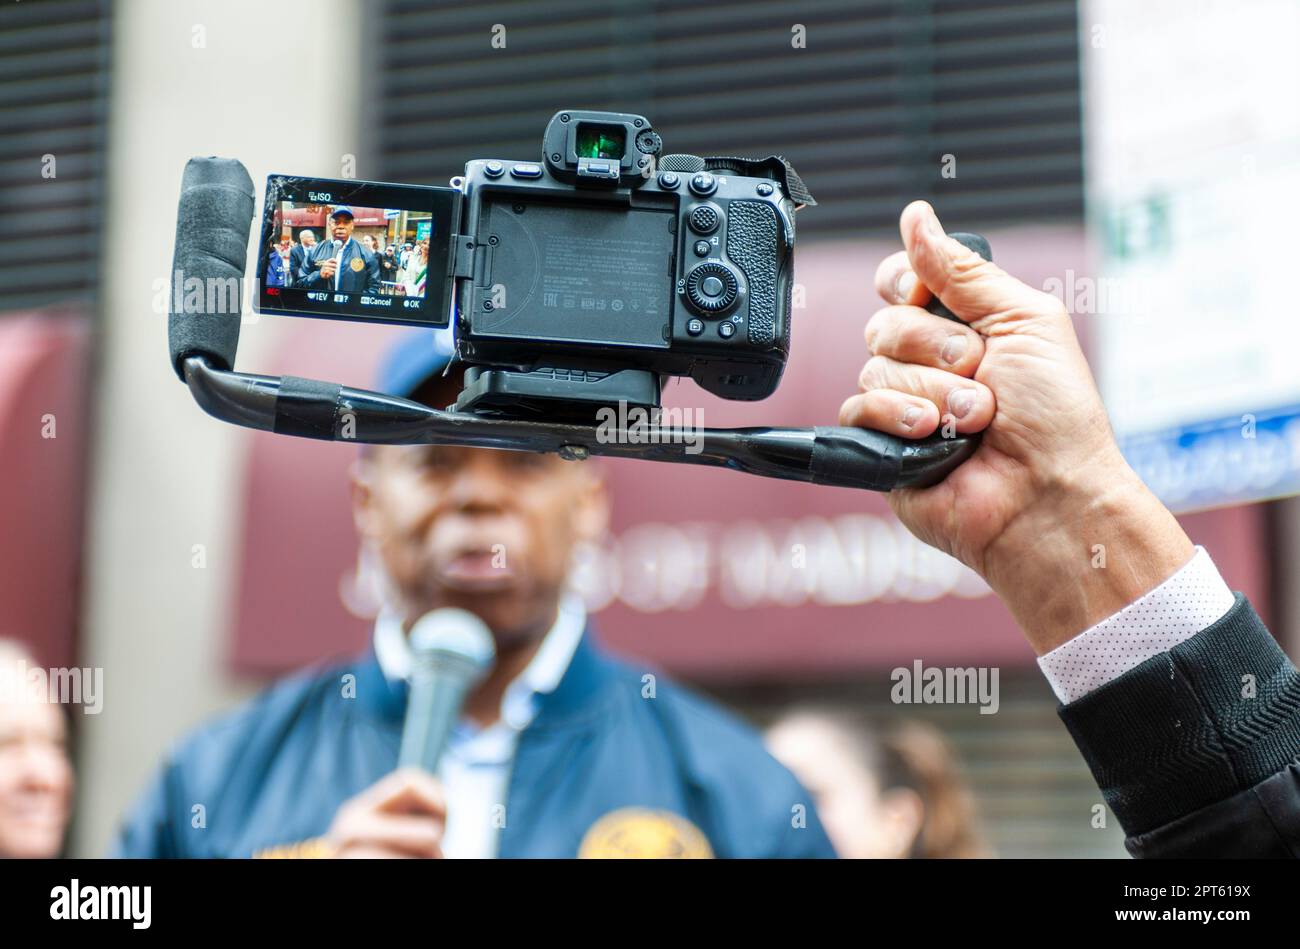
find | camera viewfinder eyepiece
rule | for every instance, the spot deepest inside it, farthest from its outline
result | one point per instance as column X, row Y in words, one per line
column 600, row 148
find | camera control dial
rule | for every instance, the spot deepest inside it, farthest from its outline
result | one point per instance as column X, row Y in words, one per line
column 711, row 288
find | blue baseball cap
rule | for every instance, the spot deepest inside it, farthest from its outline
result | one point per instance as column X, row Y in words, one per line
column 341, row 210
column 413, row 360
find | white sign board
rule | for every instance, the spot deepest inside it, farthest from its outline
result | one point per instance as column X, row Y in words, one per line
column 1192, row 124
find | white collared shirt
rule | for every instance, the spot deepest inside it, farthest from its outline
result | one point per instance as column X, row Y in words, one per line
column 475, row 768
column 339, row 255
column 1191, row 600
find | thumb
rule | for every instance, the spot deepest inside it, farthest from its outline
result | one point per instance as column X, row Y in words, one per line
column 978, row 291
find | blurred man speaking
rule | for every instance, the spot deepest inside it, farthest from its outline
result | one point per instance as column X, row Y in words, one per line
column 561, row 750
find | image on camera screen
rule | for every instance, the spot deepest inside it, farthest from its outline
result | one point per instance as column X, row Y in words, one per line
column 350, row 249
column 355, row 250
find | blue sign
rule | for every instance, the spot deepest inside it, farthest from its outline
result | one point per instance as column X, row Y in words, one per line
column 1240, row 458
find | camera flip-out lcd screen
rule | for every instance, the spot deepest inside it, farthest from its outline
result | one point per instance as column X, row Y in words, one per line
column 357, row 250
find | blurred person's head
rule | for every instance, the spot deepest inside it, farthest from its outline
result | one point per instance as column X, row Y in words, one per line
column 372, row 242
column 307, row 239
column 490, row 531
column 880, row 792
column 35, row 774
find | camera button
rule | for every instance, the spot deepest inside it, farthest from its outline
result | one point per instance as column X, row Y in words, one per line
column 669, row 180
column 764, row 189
column 711, row 287
column 526, row 170
column 494, row 169
column 726, row 329
column 704, row 219
column 702, row 248
column 695, row 326
column 704, row 183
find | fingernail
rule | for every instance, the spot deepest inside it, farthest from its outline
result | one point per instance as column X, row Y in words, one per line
column 911, row 416
column 904, row 285
column 953, row 349
column 960, row 401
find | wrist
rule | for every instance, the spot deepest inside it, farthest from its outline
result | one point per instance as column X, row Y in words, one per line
column 1094, row 542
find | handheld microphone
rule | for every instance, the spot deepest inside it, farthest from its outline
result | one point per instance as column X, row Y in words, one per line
column 451, row 651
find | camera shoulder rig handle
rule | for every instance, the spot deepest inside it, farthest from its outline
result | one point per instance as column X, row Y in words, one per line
column 212, row 229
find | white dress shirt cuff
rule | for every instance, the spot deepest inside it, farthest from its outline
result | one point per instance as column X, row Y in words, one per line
column 1192, row 599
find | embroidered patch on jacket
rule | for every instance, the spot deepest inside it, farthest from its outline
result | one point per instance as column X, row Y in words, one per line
column 641, row 833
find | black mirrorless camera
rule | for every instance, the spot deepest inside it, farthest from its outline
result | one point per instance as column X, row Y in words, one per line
column 570, row 284
column 577, row 280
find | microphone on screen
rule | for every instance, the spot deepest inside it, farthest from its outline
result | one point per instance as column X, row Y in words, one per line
column 451, row 651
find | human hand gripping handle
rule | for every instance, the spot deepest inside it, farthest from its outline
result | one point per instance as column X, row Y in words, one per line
column 846, row 457
column 1045, row 509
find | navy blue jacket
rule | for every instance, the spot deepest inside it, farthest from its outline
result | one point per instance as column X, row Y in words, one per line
column 351, row 279
column 275, row 771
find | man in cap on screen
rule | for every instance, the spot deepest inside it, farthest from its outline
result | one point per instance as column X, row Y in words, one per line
column 342, row 264
column 561, row 749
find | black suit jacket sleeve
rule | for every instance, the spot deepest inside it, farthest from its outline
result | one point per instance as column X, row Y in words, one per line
column 372, row 274
column 1197, row 750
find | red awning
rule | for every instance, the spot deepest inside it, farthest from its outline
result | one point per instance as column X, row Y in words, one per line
column 42, row 442
column 318, row 215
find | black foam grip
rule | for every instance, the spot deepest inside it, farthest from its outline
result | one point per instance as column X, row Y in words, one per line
column 306, row 408
column 206, row 282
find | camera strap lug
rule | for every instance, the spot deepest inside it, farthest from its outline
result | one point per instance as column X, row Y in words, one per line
column 774, row 167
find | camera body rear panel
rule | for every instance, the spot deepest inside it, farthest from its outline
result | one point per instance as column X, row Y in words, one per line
column 597, row 259
column 655, row 277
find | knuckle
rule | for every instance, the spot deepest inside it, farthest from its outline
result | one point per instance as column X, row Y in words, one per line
column 967, row 269
column 1052, row 306
column 873, row 373
column 877, row 326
